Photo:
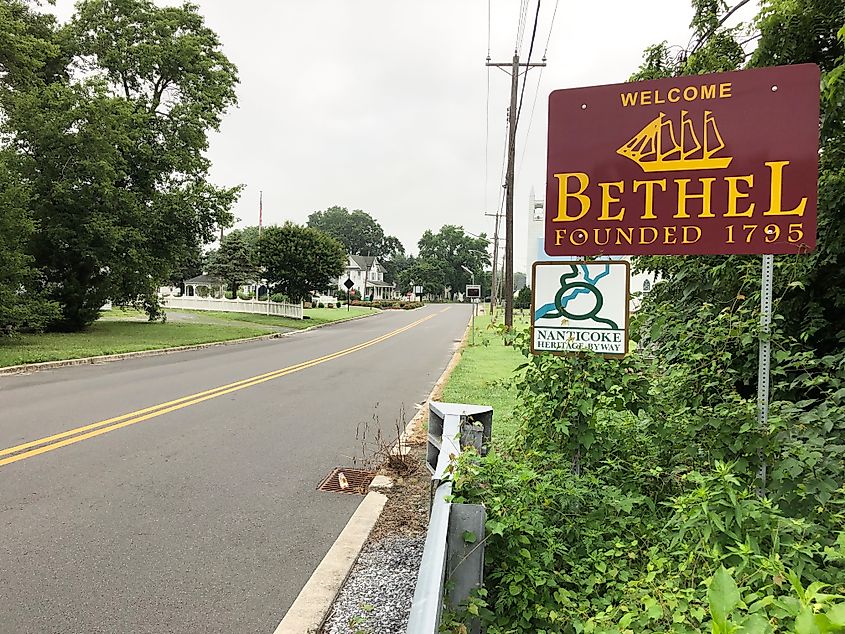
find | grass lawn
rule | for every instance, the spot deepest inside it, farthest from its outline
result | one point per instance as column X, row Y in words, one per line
column 483, row 376
column 315, row 316
column 126, row 330
column 122, row 314
column 113, row 337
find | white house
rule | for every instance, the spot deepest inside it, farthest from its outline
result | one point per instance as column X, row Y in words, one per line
column 367, row 275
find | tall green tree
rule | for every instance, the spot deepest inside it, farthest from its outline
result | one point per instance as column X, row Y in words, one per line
column 110, row 118
column 358, row 231
column 451, row 249
column 395, row 265
column 21, row 304
column 234, row 261
column 430, row 274
column 297, row 260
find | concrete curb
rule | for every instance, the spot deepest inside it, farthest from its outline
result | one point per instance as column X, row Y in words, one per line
column 310, row 608
column 28, row 368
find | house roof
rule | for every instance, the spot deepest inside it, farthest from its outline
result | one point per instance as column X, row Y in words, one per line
column 365, row 262
column 205, row 279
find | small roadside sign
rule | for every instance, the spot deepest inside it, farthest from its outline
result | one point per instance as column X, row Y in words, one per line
column 348, row 283
column 473, row 291
column 418, row 290
column 580, row 306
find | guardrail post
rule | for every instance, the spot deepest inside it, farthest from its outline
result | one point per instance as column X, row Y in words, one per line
column 465, row 556
column 454, row 546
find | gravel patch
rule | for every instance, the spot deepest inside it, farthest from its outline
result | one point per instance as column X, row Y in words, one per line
column 376, row 598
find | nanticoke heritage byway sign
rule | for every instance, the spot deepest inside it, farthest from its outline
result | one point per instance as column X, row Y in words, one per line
column 580, row 306
column 711, row 164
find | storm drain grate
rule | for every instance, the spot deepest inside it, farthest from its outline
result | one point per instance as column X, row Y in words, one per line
column 343, row 480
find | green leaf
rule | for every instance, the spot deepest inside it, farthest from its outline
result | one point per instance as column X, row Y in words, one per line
column 470, row 537
column 755, row 624
column 723, row 596
column 806, row 622
column 836, row 614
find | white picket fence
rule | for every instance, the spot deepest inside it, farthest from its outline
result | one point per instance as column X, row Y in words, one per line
column 279, row 309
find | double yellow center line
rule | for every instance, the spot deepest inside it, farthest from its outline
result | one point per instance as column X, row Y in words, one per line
column 71, row 436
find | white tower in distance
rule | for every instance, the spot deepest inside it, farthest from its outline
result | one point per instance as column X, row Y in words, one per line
column 536, row 233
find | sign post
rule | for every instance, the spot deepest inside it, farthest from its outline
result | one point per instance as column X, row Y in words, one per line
column 348, row 284
column 764, row 373
column 473, row 293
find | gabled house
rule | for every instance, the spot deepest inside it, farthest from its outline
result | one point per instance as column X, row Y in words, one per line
column 367, row 273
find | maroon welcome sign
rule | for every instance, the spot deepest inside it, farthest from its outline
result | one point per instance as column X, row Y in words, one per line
column 725, row 163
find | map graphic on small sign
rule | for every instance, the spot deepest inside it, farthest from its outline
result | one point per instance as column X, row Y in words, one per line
column 578, row 306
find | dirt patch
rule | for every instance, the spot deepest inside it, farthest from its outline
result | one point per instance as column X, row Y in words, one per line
column 406, row 511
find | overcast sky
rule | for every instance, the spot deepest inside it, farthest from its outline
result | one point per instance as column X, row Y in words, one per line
column 381, row 105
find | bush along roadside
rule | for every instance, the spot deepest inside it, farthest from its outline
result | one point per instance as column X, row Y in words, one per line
column 629, row 500
column 389, row 304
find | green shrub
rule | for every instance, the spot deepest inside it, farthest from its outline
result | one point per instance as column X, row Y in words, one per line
column 279, row 297
column 229, row 295
column 245, row 296
column 623, row 494
column 388, row 304
column 321, row 305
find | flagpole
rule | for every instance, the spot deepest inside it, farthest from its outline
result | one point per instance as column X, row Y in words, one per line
column 258, row 247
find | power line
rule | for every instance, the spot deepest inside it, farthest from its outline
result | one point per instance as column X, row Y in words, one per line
column 488, row 27
column 520, row 28
column 703, row 40
column 530, row 51
column 530, row 120
column 487, row 119
column 551, row 27
column 537, row 90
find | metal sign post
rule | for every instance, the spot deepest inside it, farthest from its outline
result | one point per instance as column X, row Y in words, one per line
column 348, row 284
column 473, row 293
column 763, row 377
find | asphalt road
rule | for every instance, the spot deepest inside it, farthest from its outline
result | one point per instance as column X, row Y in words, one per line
column 202, row 515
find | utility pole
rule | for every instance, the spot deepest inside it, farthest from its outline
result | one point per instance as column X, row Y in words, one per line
column 513, row 119
column 493, row 280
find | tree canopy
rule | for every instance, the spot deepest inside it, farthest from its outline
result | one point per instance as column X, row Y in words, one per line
column 298, row 260
column 108, row 117
column 21, row 304
column 236, row 261
column 357, row 231
column 451, row 249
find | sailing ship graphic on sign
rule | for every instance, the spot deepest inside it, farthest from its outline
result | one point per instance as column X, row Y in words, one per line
column 660, row 147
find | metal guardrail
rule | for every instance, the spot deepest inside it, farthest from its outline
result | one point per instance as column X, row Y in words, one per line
column 448, row 554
